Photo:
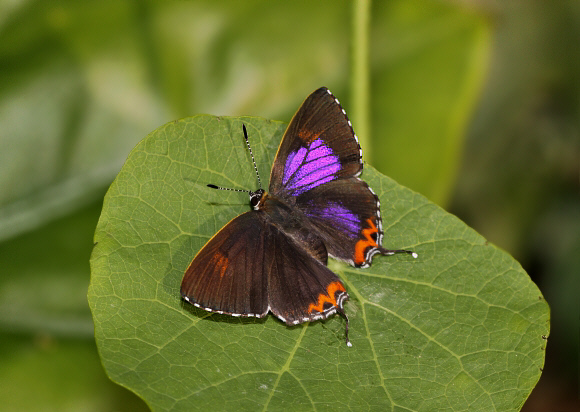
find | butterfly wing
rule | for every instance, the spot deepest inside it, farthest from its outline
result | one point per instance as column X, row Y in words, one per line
column 346, row 215
column 228, row 275
column 251, row 267
column 318, row 146
column 301, row 288
column 316, row 170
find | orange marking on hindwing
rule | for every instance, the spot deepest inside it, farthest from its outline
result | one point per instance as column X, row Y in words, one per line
column 328, row 298
column 363, row 244
column 220, row 261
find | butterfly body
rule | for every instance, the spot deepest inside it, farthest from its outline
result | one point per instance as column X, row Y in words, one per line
column 294, row 224
column 273, row 258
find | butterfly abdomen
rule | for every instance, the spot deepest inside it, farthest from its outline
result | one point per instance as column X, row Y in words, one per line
column 292, row 222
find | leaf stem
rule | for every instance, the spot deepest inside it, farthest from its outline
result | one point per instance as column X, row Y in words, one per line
column 360, row 73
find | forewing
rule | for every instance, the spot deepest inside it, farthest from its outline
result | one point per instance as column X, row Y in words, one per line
column 319, row 146
column 228, row 274
column 316, row 169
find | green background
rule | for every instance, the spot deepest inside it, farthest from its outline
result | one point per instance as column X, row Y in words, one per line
column 472, row 104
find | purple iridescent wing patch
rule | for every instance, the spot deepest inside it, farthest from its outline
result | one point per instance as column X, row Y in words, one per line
column 310, row 167
column 340, row 217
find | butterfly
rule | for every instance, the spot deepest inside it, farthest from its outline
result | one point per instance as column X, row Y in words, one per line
column 273, row 258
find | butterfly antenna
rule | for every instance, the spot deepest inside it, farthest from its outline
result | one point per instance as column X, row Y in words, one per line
column 227, row 188
column 251, row 154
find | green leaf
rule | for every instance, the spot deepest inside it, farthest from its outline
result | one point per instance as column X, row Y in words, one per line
column 462, row 327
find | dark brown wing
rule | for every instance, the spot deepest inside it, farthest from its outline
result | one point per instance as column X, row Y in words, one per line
column 318, row 146
column 300, row 287
column 228, row 275
column 250, row 267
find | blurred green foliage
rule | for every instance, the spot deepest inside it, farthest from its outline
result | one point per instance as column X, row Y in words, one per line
column 473, row 103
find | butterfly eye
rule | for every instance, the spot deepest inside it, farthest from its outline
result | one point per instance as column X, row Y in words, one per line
column 255, row 198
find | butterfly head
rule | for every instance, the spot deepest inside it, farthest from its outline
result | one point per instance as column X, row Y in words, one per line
column 255, row 198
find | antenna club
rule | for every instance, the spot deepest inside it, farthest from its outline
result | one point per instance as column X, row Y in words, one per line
column 227, row 188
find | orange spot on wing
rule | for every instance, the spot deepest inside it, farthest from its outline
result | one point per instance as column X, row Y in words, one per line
column 221, row 262
column 363, row 244
column 307, row 135
column 328, row 298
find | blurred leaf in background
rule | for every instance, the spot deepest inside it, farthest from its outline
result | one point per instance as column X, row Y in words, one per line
column 49, row 357
column 429, row 62
column 82, row 82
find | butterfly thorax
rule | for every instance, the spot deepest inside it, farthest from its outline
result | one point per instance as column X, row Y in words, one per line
column 291, row 222
column 278, row 211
